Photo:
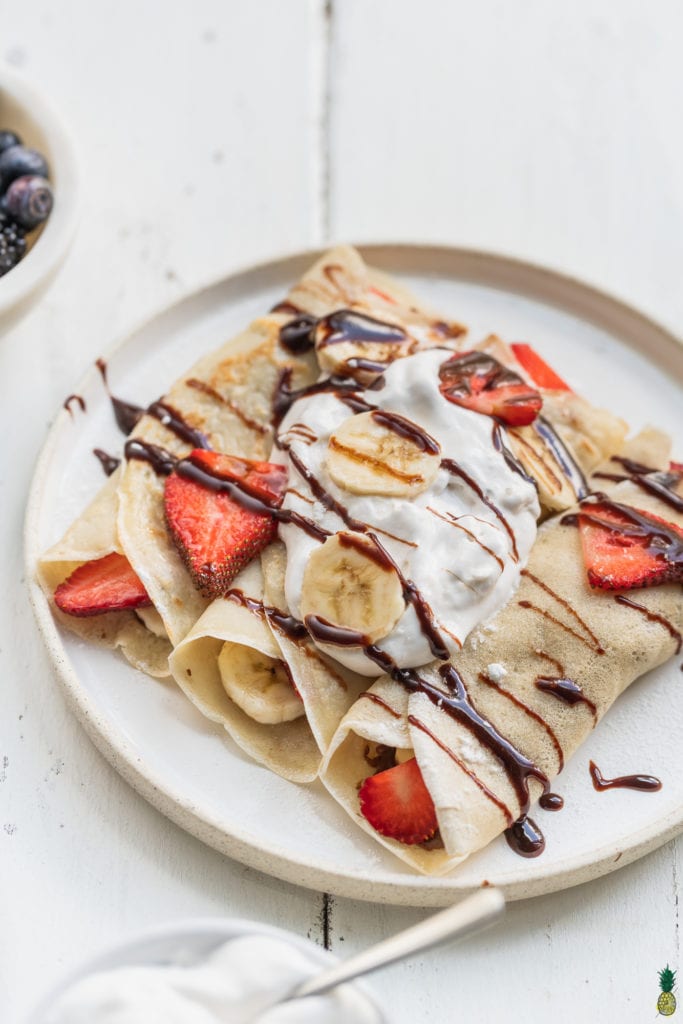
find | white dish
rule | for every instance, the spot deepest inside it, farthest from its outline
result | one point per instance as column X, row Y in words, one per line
column 185, row 943
column 24, row 110
column 180, row 763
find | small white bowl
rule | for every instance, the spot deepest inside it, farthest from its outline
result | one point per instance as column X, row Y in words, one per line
column 183, row 943
column 27, row 112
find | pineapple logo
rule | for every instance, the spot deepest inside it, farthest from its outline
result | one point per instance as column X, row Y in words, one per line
column 666, row 1004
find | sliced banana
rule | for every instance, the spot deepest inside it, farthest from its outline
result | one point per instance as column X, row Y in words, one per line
column 345, row 585
column 259, row 685
column 366, row 457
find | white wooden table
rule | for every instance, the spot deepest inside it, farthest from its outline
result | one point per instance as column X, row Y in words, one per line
column 220, row 132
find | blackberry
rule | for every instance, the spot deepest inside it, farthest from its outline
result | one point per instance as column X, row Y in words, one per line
column 12, row 243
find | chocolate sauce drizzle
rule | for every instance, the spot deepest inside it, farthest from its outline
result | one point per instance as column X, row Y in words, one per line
column 298, row 335
column 284, row 396
column 530, row 712
column 551, row 802
column 652, row 617
column 525, row 837
column 456, row 470
column 418, row 724
column 565, row 690
column 655, row 482
column 645, row 783
column 593, row 643
column 455, row 701
column 511, row 459
column 347, row 325
column 452, row 520
column 109, row 463
column 285, row 623
column 128, row 415
column 162, row 461
column 569, row 466
column 376, row 699
column 207, row 389
column 286, row 307
column 78, row 399
column 177, row 424
column 407, row 429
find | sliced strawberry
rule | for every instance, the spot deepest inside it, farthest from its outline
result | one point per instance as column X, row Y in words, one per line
column 265, row 480
column 541, row 374
column 626, row 548
column 104, row 585
column 217, row 510
column 397, row 804
column 676, row 467
column 478, row 381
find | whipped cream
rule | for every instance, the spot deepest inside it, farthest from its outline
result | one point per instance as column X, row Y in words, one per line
column 238, row 983
column 447, row 540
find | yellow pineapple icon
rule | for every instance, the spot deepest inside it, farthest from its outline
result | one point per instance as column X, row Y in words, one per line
column 666, row 1004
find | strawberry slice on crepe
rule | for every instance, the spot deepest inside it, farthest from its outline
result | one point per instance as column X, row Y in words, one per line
column 625, row 548
column 541, row 374
column 218, row 512
column 397, row 804
column 106, row 584
column 479, row 382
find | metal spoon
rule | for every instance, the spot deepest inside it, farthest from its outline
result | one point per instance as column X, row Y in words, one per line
column 474, row 913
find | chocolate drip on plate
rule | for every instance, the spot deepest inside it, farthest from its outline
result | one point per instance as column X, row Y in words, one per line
column 551, row 802
column 645, row 783
column 525, row 838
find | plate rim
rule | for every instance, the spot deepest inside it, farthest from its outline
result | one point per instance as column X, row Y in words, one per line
column 273, row 858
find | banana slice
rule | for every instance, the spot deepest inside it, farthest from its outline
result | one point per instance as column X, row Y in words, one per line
column 347, row 585
column 364, row 456
column 259, row 685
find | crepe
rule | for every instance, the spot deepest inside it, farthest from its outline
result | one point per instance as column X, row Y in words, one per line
column 555, row 628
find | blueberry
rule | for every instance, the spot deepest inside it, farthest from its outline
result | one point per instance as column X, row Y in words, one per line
column 28, row 200
column 8, row 139
column 12, row 244
column 18, row 161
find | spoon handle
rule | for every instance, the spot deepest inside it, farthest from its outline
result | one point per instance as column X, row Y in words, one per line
column 474, row 913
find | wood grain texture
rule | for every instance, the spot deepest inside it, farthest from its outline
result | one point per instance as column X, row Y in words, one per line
column 216, row 133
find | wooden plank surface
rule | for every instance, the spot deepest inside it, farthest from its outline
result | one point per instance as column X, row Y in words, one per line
column 216, row 133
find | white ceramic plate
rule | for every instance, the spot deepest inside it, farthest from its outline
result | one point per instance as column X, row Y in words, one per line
column 188, row 769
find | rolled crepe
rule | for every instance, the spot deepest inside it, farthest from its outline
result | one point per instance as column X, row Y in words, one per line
column 93, row 535
column 245, row 618
column 555, row 628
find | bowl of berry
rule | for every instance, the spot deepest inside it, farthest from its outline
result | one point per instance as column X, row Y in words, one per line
column 38, row 195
